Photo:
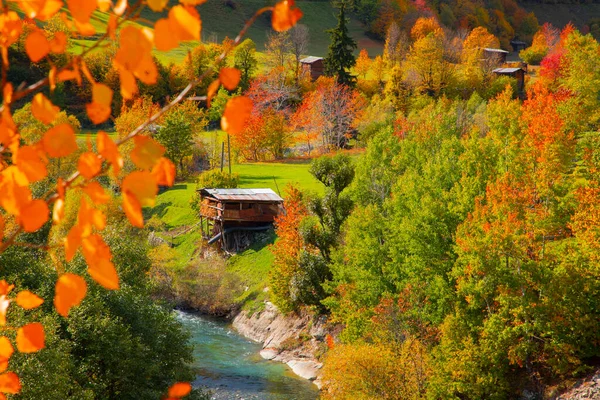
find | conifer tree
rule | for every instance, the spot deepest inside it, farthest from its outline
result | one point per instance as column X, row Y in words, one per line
column 340, row 57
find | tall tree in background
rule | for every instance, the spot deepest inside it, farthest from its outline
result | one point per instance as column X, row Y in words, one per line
column 340, row 57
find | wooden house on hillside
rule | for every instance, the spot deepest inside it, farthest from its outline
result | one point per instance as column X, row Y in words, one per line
column 223, row 212
column 314, row 66
column 496, row 56
column 517, row 72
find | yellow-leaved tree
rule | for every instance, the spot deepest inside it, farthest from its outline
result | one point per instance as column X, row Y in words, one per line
column 26, row 159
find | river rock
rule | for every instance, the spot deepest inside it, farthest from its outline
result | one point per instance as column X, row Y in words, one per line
column 269, row 353
column 305, row 368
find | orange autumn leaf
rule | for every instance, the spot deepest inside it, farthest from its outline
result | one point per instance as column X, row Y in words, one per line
column 185, row 22
column 28, row 300
column 99, row 110
column 70, row 291
column 104, row 5
column 285, row 15
column 146, row 152
column 104, row 273
column 81, row 10
column 157, row 5
column 230, row 77
column 34, row 215
column 36, row 46
column 212, row 90
column 10, row 383
column 15, row 191
column 141, row 184
column 68, row 75
column 58, row 44
column 31, row 338
column 109, row 150
column 6, row 351
column 192, row 2
column 60, row 141
column 237, row 111
column 2, row 225
column 43, row 109
column 72, row 242
column 96, row 192
column 133, row 210
column 164, row 172
column 111, row 26
column 164, row 37
column 180, row 389
column 128, row 84
column 31, row 162
column 89, row 165
column 89, row 217
column 5, row 287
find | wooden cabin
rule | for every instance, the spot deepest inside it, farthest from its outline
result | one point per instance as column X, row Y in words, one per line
column 518, row 45
column 496, row 56
column 517, row 73
column 223, row 212
column 314, row 66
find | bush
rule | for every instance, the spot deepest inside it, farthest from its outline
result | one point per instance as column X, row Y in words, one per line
column 533, row 56
column 215, row 178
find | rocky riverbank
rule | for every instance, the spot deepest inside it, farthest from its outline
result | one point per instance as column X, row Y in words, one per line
column 296, row 340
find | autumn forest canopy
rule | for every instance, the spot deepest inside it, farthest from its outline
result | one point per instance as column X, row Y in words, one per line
column 448, row 228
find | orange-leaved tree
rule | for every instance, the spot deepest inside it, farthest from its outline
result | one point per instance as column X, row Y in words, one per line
column 25, row 161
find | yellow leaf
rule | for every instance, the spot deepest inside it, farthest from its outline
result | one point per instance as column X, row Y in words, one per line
column 58, row 211
column 285, row 15
column 4, row 303
column 6, row 352
column 103, row 271
column 31, row 338
column 192, row 2
column 180, row 389
column 70, row 291
column 37, row 46
column 43, row 109
column 34, row 215
column 237, row 111
column 60, row 141
column 89, row 165
column 230, row 77
column 146, row 152
column 185, row 22
column 10, row 383
column 142, row 185
column 120, row 7
column 103, row 5
column 164, row 172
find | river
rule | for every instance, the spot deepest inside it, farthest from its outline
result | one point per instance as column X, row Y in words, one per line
column 230, row 367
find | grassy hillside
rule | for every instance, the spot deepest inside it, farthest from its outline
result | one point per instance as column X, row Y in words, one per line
column 220, row 20
column 560, row 15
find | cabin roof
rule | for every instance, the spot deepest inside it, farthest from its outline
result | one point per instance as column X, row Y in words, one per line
column 495, row 50
column 256, row 195
column 310, row 59
column 507, row 70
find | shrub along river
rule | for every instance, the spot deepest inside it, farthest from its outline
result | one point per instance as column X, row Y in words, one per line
column 230, row 367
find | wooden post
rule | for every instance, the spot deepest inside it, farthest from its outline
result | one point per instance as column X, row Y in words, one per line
column 229, row 151
column 222, row 155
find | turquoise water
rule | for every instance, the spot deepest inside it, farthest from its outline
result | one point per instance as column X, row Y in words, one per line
column 229, row 365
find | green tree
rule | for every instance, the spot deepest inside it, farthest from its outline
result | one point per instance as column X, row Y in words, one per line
column 340, row 57
column 244, row 59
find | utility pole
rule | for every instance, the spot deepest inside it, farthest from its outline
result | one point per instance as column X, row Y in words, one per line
column 222, row 155
column 229, row 151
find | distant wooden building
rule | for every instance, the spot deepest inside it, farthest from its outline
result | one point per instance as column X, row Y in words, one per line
column 518, row 45
column 314, row 66
column 497, row 56
column 226, row 211
column 517, row 73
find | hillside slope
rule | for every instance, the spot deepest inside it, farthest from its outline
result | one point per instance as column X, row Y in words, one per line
column 560, row 15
